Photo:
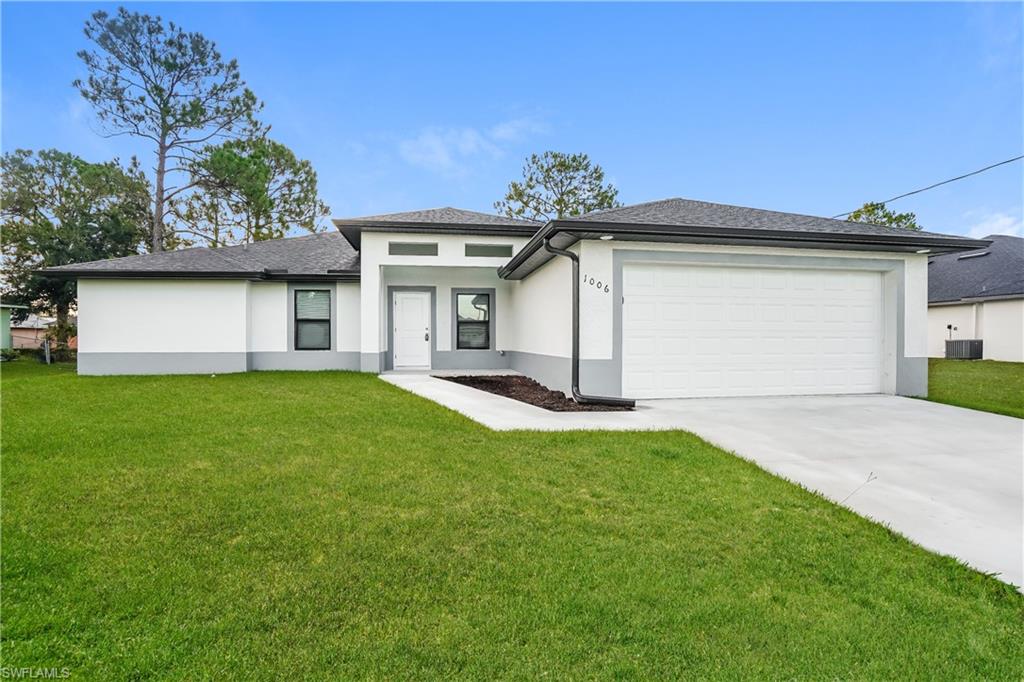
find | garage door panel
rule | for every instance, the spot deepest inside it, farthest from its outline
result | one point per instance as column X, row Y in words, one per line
column 741, row 312
column 740, row 347
column 773, row 279
column 720, row 331
column 772, row 347
column 772, row 313
column 675, row 346
column 676, row 311
column 641, row 311
column 742, row 279
column 708, row 278
column 641, row 345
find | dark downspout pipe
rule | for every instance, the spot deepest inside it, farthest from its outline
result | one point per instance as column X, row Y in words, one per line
column 576, row 394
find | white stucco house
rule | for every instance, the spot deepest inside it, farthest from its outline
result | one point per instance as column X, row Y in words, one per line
column 979, row 294
column 672, row 298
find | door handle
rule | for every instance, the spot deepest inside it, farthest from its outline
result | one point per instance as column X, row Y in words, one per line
column 426, row 337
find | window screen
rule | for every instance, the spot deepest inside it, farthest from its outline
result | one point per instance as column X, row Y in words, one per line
column 473, row 321
column 412, row 249
column 489, row 250
column 313, row 319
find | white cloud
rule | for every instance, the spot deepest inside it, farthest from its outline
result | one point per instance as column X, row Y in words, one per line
column 998, row 29
column 450, row 150
column 999, row 222
column 77, row 122
column 517, row 129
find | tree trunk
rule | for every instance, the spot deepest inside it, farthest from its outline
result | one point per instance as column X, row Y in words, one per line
column 63, row 310
column 158, row 199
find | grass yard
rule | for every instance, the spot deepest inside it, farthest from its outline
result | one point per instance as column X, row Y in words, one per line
column 298, row 524
column 978, row 384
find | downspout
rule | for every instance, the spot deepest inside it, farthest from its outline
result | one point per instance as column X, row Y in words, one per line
column 576, row 394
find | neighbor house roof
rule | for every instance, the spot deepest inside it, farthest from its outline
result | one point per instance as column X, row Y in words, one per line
column 685, row 220
column 996, row 271
column 326, row 255
column 33, row 321
column 445, row 220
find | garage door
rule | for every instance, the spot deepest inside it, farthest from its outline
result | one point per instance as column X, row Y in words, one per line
column 692, row 331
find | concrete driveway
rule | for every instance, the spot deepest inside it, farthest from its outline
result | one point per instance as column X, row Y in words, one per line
column 950, row 479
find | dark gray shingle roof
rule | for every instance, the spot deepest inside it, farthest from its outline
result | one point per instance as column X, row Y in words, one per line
column 445, row 220
column 688, row 221
column 706, row 214
column 993, row 272
column 440, row 216
column 309, row 255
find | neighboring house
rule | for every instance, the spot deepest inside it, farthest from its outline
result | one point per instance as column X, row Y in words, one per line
column 676, row 298
column 30, row 332
column 5, row 324
column 980, row 293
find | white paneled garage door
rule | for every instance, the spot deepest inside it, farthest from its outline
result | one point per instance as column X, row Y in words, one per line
column 691, row 331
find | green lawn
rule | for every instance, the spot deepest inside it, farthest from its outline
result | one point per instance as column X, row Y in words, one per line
column 288, row 525
column 978, row 384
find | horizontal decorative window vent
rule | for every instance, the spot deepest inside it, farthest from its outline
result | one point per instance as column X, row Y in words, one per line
column 412, row 248
column 489, row 250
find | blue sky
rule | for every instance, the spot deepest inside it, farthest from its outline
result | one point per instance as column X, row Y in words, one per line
column 810, row 108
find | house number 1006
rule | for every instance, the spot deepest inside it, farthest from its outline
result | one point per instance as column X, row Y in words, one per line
column 601, row 286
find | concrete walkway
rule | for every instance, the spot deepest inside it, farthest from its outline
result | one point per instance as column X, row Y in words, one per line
column 949, row 479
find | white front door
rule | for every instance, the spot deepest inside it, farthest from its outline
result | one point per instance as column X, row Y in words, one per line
column 412, row 330
column 698, row 331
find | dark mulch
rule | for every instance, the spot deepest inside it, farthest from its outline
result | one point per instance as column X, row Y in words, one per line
column 526, row 390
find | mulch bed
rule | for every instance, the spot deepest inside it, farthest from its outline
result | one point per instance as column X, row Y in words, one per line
column 526, row 390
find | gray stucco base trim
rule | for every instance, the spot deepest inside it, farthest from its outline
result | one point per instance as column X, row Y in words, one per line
column 304, row 360
column 213, row 363
column 550, row 370
column 475, row 359
column 162, row 363
column 597, row 377
column 912, row 376
column 372, row 362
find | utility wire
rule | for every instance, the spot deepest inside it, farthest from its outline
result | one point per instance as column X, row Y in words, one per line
column 944, row 182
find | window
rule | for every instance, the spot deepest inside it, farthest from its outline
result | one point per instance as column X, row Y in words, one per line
column 473, row 321
column 412, row 249
column 313, row 319
column 489, row 250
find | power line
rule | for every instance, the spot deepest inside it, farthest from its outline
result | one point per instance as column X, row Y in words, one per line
column 944, row 182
